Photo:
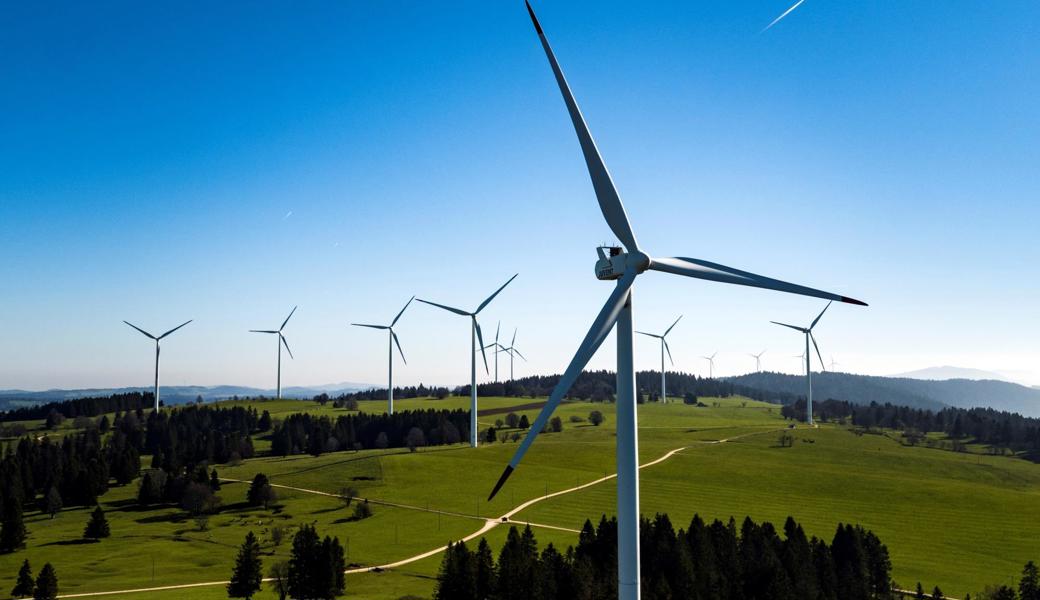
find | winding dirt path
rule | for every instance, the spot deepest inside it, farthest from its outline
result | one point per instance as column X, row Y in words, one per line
column 489, row 524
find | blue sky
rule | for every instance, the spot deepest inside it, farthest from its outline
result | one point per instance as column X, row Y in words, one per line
column 153, row 155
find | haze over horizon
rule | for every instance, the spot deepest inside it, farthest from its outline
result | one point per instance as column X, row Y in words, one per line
column 209, row 163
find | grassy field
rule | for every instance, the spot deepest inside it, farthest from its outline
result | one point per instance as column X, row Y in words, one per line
column 956, row 520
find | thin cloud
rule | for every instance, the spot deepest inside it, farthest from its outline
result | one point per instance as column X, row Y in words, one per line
column 780, row 18
column 287, row 215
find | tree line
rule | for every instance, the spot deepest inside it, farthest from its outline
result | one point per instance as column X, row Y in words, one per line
column 716, row 561
column 996, row 428
column 302, row 432
column 85, row 407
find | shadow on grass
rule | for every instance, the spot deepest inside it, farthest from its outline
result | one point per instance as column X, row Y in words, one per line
column 79, row 542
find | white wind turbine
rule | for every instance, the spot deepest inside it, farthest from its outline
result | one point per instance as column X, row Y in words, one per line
column 512, row 350
column 834, row 364
column 498, row 348
column 157, row 353
column 711, row 365
column 664, row 348
column 279, row 342
column 390, row 358
column 475, row 336
column 808, row 358
column 624, row 267
column 758, row 360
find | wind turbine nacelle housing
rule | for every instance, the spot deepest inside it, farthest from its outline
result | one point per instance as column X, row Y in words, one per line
column 611, row 263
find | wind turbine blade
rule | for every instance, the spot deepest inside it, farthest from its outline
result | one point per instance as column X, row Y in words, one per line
column 609, row 201
column 480, row 342
column 513, row 343
column 823, row 367
column 497, row 329
column 372, row 326
column 139, row 329
column 668, row 350
column 702, row 269
column 649, row 334
column 817, row 319
column 286, row 344
column 608, row 315
column 518, row 353
column 175, row 328
column 667, row 331
column 447, row 308
column 287, row 318
column 712, row 357
column 394, row 322
column 398, row 342
column 492, row 297
column 801, row 329
column 262, row 331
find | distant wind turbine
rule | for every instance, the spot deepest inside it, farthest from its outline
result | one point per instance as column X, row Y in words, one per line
column 758, row 360
column 834, row 364
column 475, row 336
column 664, row 348
column 498, row 348
column 512, row 350
column 808, row 358
column 623, row 266
column 157, row 353
column 390, row 359
column 711, row 365
column 279, row 342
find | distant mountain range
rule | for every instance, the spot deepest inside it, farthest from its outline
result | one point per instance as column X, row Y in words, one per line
column 176, row 394
column 948, row 372
column 917, row 393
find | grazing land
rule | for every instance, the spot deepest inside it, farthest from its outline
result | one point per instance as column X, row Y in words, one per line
column 953, row 519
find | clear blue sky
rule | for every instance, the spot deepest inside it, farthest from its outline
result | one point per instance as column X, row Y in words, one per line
column 226, row 161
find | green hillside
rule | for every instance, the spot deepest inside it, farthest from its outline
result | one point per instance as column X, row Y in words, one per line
column 953, row 519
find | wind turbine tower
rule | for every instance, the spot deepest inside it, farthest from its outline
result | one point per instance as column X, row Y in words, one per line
column 511, row 350
column 711, row 365
column 157, row 340
column 664, row 348
column 475, row 336
column 807, row 331
column 623, row 266
column 279, row 341
column 390, row 358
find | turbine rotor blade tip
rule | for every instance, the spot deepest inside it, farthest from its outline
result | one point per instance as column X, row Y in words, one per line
column 848, row 300
column 534, row 19
column 505, row 474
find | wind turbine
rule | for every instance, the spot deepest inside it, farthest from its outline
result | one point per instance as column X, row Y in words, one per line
column 281, row 341
column 834, row 364
column 510, row 350
column 498, row 348
column 157, row 352
column 664, row 348
column 624, row 267
column 390, row 359
column 808, row 358
column 758, row 360
column 711, row 365
column 475, row 336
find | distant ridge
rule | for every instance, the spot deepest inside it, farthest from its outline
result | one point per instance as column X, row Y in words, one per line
column 948, row 372
column 915, row 393
column 176, row 394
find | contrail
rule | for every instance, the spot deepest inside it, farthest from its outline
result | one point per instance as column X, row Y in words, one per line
column 287, row 215
column 786, row 12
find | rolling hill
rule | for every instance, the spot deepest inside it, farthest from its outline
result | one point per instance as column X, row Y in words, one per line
column 916, row 393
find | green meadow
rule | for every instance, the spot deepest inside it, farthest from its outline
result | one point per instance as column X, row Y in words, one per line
column 956, row 520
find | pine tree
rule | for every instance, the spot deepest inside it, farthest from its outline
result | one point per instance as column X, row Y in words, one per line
column 97, row 527
column 485, row 570
column 260, row 491
column 1029, row 586
column 248, row 571
column 12, row 528
column 937, row 594
column 301, row 562
column 214, row 481
column 23, row 586
column 46, row 584
column 52, row 501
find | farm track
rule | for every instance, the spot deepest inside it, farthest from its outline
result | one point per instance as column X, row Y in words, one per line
column 489, row 524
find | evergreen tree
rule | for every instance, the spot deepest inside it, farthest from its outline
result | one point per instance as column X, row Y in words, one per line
column 1029, row 586
column 301, row 562
column 457, row 578
column 97, row 527
column 248, row 571
column 328, row 578
column 23, row 585
column 12, row 527
column 937, row 594
column 52, row 501
column 260, row 491
column 46, row 587
column 484, row 570
column 214, row 481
